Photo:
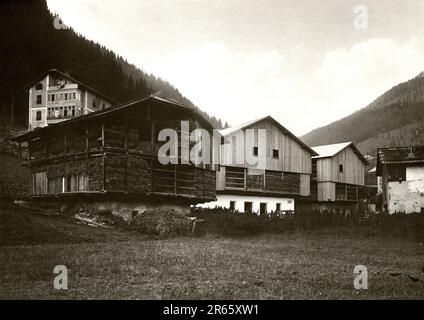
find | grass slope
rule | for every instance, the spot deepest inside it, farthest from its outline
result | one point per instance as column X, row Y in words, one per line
column 114, row 264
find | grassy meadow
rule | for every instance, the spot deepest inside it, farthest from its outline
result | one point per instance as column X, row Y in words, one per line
column 117, row 264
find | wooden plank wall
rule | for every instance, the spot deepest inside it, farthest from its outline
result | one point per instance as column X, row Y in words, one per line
column 326, row 191
column 353, row 168
column 292, row 157
column 305, row 185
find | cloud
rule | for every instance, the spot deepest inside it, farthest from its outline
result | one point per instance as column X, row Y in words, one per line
column 227, row 84
column 266, row 61
column 350, row 78
column 240, row 86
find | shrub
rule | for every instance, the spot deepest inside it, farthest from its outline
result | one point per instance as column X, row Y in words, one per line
column 221, row 221
column 161, row 222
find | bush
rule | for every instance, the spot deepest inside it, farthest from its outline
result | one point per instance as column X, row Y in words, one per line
column 161, row 222
column 221, row 221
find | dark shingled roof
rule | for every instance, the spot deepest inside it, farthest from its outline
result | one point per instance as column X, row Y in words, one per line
column 399, row 155
column 139, row 103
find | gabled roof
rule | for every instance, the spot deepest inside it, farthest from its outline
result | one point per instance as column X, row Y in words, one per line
column 229, row 131
column 139, row 103
column 330, row 150
column 399, row 155
column 63, row 74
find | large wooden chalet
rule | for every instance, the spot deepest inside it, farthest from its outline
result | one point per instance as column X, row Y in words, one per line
column 112, row 154
column 275, row 188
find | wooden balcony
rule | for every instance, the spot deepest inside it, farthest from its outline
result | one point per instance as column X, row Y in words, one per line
column 273, row 182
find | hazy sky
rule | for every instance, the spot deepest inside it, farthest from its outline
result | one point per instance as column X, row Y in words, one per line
column 303, row 62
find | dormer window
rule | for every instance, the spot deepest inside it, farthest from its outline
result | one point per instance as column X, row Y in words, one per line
column 39, row 86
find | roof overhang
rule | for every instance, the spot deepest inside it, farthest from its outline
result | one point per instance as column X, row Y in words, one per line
column 355, row 150
column 110, row 111
column 232, row 130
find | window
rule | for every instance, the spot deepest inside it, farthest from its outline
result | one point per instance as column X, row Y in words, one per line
column 232, row 206
column 278, row 207
column 73, row 110
column 66, row 96
column 65, row 113
column 53, row 97
column 38, row 116
column 255, row 151
column 73, row 95
column 94, row 104
column 38, row 98
column 275, row 153
column 262, row 208
column 397, row 173
column 248, row 207
column 340, row 168
column 39, row 86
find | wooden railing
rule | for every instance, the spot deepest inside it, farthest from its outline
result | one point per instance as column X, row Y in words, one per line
column 267, row 181
column 349, row 192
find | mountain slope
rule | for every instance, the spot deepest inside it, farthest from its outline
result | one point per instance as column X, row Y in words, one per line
column 395, row 118
column 29, row 45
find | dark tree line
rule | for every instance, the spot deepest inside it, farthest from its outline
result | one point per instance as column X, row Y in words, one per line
column 30, row 45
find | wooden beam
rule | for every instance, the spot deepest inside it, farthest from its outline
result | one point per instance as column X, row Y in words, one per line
column 103, row 134
column 151, row 174
column 28, row 153
column 86, row 138
column 104, row 156
column 104, row 171
column 175, row 179
column 126, row 172
column 45, row 148
column 66, row 145
column 152, row 135
column 126, row 133
column 244, row 177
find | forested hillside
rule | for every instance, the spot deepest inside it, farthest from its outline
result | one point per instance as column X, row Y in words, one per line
column 30, row 45
column 395, row 118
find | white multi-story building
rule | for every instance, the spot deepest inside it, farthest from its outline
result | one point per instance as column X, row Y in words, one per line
column 54, row 96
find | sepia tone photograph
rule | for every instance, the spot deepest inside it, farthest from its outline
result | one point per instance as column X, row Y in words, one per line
column 233, row 151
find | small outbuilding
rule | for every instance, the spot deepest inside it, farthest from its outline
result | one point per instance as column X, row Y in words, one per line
column 402, row 174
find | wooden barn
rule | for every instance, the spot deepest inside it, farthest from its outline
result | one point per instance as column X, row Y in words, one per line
column 110, row 158
column 284, row 177
column 402, row 174
column 338, row 173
